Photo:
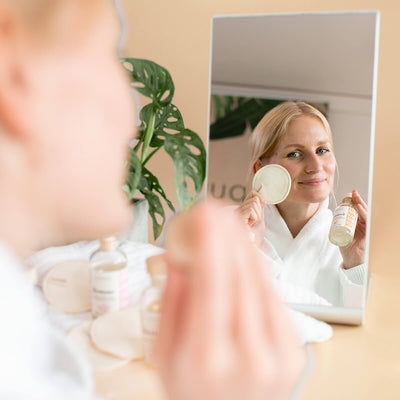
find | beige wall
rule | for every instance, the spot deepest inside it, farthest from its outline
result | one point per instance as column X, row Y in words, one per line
column 176, row 34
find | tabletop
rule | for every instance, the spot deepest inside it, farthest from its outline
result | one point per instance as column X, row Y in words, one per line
column 362, row 362
column 359, row 362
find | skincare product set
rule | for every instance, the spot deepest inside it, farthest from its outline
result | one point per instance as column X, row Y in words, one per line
column 117, row 331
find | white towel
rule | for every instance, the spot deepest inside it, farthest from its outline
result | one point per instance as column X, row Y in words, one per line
column 137, row 253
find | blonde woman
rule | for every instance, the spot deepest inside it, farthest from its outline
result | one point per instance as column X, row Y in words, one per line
column 294, row 234
column 66, row 118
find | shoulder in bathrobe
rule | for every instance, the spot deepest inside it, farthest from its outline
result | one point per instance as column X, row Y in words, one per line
column 310, row 261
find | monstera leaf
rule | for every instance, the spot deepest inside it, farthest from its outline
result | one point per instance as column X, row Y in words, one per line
column 167, row 120
column 151, row 189
column 151, row 80
column 134, row 173
column 162, row 126
column 189, row 155
column 232, row 119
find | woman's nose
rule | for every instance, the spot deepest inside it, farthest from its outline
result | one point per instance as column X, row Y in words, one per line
column 313, row 163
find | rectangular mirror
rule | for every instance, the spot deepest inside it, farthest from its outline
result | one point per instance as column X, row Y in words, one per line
column 328, row 60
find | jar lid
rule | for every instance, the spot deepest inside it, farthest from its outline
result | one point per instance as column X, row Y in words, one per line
column 273, row 182
column 66, row 286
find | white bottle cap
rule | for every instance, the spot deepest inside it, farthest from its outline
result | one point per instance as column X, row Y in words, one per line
column 156, row 266
column 273, row 182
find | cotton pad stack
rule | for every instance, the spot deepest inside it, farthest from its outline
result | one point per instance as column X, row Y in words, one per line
column 99, row 360
column 119, row 334
column 110, row 341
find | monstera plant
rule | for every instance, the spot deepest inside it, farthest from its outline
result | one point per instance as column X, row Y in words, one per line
column 162, row 127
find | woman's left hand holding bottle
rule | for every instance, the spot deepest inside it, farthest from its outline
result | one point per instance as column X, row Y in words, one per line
column 354, row 254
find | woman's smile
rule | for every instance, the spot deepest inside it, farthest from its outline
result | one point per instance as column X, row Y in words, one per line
column 313, row 182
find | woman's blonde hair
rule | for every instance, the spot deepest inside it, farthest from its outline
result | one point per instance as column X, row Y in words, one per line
column 273, row 126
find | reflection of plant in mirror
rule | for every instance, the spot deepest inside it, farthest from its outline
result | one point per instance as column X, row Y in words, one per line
column 162, row 127
column 233, row 114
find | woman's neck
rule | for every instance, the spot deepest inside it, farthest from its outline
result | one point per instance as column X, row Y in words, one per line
column 296, row 215
column 24, row 226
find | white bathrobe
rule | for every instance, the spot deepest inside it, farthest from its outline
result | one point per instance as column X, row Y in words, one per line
column 37, row 361
column 310, row 261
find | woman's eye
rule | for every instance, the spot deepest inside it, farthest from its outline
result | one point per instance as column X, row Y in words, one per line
column 322, row 151
column 293, row 154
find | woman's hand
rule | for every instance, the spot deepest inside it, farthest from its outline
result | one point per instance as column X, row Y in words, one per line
column 354, row 254
column 224, row 333
column 251, row 212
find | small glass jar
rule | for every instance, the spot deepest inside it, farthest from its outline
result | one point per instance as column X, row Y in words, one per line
column 344, row 222
column 109, row 274
column 150, row 306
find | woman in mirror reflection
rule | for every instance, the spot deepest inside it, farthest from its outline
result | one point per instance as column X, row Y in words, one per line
column 293, row 235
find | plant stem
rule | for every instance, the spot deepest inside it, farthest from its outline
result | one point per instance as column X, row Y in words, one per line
column 136, row 148
column 148, row 134
column 150, row 155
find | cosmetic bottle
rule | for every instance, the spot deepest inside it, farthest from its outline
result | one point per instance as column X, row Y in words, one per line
column 109, row 274
column 151, row 304
column 344, row 222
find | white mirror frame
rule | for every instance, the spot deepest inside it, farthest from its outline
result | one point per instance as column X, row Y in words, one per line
column 353, row 316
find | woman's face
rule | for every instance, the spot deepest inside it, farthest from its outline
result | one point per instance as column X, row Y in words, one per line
column 85, row 119
column 306, row 151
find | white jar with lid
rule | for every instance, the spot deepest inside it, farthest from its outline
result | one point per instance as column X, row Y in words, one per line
column 344, row 222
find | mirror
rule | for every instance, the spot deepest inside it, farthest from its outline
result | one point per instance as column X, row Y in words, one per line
column 328, row 60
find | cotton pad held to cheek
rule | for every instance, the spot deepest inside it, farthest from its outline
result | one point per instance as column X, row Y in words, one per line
column 273, row 182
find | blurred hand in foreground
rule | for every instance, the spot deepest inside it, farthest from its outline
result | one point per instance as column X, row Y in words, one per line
column 224, row 333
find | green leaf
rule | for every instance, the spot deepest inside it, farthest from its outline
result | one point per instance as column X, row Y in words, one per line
column 162, row 127
column 168, row 121
column 150, row 187
column 134, row 173
column 218, row 107
column 151, row 80
column 234, row 122
column 189, row 156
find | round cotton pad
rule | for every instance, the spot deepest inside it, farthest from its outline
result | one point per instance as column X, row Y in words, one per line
column 100, row 361
column 119, row 334
column 66, row 286
column 273, row 182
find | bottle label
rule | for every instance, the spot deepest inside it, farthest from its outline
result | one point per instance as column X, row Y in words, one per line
column 110, row 290
column 345, row 217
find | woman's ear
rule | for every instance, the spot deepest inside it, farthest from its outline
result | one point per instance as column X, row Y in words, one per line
column 13, row 63
column 257, row 165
